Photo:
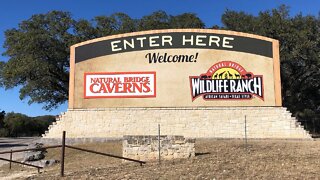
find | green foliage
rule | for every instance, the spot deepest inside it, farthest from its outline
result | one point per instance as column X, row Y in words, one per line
column 2, row 64
column 160, row 20
column 3, row 131
column 157, row 20
column 2, row 114
column 39, row 48
column 38, row 52
column 299, row 54
column 16, row 124
column 186, row 20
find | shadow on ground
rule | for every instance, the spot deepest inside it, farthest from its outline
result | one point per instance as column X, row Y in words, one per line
column 11, row 145
column 202, row 153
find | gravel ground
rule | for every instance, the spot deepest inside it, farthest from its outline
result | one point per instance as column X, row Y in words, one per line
column 6, row 144
column 215, row 159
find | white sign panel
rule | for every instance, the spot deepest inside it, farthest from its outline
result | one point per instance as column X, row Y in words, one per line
column 120, row 85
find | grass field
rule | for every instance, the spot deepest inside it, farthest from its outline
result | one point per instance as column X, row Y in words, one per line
column 216, row 159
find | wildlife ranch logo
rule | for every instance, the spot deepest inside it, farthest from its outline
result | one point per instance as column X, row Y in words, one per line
column 226, row 80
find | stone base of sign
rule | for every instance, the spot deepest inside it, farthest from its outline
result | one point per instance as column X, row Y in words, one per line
column 206, row 122
column 146, row 148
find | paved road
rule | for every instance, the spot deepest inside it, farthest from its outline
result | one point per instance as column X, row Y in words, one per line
column 6, row 144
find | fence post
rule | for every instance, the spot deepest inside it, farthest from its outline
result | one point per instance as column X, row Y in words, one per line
column 63, row 146
column 245, row 131
column 314, row 126
column 159, row 143
column 10, row 159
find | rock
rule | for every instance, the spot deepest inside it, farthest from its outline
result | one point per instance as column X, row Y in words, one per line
column 51, row 162
column 35, row 155
column 44, row 163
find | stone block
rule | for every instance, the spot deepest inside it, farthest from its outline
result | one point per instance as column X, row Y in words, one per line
column 134, row 146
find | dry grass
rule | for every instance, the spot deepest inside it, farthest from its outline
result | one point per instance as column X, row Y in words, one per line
column 216, row 159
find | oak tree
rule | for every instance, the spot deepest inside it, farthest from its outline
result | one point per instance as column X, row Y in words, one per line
column 38, row 49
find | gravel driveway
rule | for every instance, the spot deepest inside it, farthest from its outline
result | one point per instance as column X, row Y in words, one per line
column 6, row 144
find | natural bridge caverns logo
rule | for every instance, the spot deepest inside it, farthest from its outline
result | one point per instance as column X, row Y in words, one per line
column 226, row 80
column 120, row 85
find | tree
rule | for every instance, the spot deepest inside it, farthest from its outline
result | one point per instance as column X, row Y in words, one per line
column 186, row 20
column 39, row 51
column 161, row 20
column 157, row 20
column 39, row 48
column 41, row 124
column 2, row 115
column 3, row 130
column 2, row 64
column 299, row 54
column 16, row 124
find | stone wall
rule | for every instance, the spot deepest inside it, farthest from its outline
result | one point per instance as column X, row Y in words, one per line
column 207, row 122
column 146, row 148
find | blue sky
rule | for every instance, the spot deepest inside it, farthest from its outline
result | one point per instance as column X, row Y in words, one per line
column 14, row 11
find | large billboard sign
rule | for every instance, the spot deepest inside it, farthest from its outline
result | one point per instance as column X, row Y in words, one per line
column 175, row 68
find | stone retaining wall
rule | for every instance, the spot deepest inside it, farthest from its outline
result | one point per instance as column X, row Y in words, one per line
column 146, row 148
column 209, row 122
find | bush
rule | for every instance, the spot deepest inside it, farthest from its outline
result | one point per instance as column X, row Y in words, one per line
column 17, row 124
column 3, row 132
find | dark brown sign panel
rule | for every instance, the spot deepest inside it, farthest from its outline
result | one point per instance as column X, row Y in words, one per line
column 174, row 40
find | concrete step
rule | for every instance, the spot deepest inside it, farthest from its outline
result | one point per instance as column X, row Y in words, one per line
column 58, row 121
